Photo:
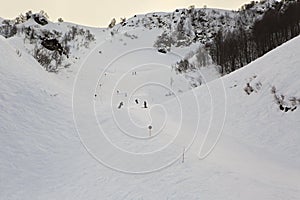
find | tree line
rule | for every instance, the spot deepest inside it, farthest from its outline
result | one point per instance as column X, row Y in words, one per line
column 234, row 49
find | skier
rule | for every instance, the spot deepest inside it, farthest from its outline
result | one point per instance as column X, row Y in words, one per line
column 120, row 105
column 145, row 104
column 136, row 101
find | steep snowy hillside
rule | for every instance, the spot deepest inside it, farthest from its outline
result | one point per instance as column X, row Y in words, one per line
column 62, row 47
column 57, row 46
column 236, row 137
column 199, row 25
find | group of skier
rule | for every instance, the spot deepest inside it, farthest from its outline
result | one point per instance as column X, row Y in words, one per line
column 136, row 101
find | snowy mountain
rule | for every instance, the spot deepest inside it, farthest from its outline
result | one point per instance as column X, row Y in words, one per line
column 119, row 120
column 55, row 45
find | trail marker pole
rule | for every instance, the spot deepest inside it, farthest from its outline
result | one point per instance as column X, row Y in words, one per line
column 149, row 127
column 183, row 154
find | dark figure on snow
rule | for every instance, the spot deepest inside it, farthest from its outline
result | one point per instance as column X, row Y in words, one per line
column 287, row 109
column 145, row 104
column 136, row 101
column 120, row 105
column 281, row 107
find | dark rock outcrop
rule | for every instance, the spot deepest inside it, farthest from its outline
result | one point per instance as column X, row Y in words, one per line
column 53, row 45
column 40, row 19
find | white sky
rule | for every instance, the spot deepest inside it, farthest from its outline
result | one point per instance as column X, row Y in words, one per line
column 100, row 12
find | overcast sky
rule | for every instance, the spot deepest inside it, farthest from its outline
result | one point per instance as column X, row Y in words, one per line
column 100, row 12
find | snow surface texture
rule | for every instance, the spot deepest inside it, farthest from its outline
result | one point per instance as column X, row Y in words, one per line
column 61, row 140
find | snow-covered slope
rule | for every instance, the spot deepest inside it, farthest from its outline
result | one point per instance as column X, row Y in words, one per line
column 63, row 142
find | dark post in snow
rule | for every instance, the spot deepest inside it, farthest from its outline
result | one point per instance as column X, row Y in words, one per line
column 183, row 154
column 150, row 128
